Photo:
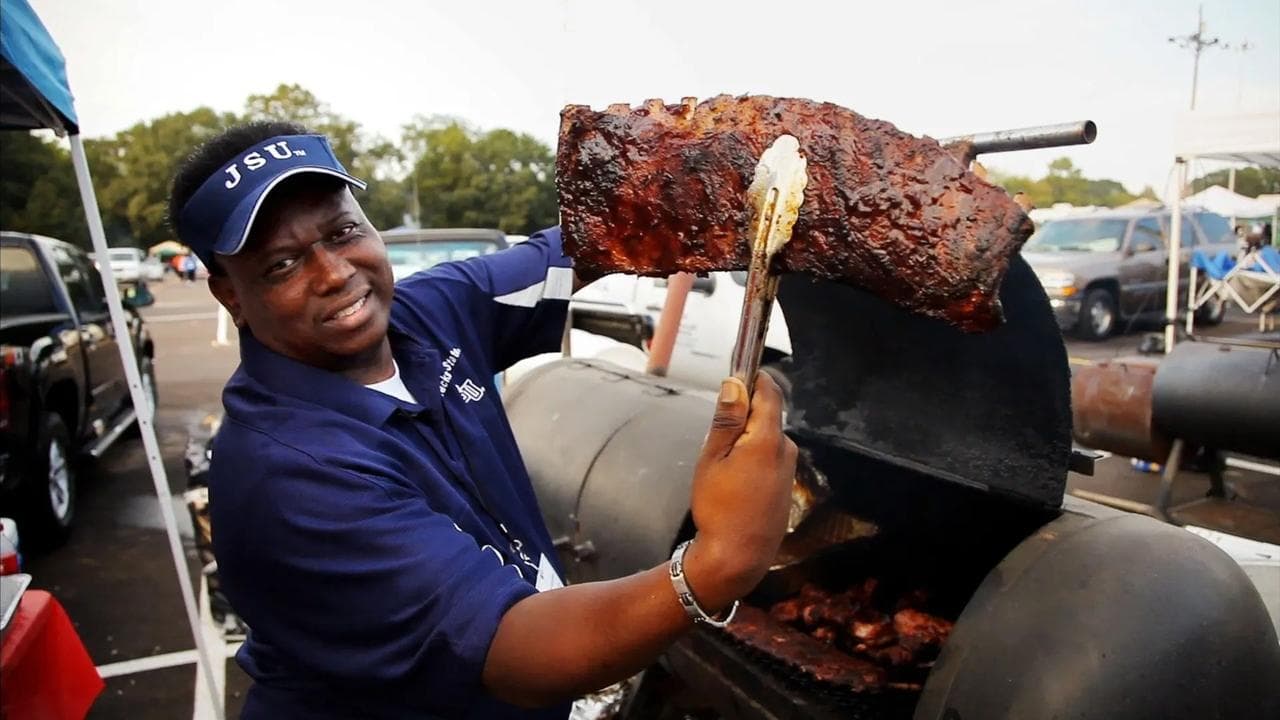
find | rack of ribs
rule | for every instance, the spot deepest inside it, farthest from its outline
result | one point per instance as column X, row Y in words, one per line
column 660, row 188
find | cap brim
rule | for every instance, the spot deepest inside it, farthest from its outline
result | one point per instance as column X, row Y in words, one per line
column 235, row 231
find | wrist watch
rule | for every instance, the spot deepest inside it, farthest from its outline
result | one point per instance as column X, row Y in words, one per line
column 685, row 595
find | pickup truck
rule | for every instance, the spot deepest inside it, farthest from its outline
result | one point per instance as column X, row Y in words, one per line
column 1112, row 265
column 626, row 308
column 64, row 396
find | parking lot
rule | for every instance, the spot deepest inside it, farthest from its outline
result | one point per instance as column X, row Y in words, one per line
column 115, row 576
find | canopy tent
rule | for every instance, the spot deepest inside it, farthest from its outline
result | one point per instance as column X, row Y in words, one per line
column 1252, row 138
column 168, row 249
column 1222, row 201
column 34, row 94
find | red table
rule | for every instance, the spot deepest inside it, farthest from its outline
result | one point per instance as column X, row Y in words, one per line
column 47, row 672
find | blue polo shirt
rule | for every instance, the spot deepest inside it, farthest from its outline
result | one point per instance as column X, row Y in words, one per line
column 372, row 545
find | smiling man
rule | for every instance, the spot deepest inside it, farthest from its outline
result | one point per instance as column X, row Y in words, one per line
column 373, row 521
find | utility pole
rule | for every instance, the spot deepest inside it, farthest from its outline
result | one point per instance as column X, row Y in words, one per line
column 1197, row 42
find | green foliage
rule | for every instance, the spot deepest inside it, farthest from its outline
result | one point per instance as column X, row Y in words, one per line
column 139, row 164
column 1250, row 181
column 1064, row 182
column 467, row 178
column 441, row 170
column 38, row 189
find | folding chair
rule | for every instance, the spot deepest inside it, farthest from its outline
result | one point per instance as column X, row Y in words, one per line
column 1215, row 272
column 1255, row 280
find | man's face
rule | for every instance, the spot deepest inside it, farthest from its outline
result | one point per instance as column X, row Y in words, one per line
column 313, row 282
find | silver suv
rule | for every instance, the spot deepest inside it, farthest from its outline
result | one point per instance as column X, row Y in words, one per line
column 1101, row 268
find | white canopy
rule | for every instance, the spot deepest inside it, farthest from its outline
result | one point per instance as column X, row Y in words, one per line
column 1218, row 199
column 1251, row 138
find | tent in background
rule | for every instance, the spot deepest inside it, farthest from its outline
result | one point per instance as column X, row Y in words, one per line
column 1222, row 201
column 1252, row 138
column 34, row 94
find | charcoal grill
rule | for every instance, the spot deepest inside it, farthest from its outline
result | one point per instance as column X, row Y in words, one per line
column 947, row 456
column 954, row 449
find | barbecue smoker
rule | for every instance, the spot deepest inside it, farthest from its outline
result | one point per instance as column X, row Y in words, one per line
column 944, row 456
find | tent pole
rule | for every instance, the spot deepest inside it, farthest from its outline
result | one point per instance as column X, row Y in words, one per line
column 1175, row 255
column 144, row 413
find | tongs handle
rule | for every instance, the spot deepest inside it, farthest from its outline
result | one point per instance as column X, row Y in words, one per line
column 776, row 191
column 757, row 305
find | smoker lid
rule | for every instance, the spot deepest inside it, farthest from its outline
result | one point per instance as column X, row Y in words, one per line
column 991, row 411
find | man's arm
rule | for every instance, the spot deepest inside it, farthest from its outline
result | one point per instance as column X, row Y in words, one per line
column 565, row 642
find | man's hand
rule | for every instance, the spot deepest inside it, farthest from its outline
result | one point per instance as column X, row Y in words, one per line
column 741, row 494
column 561, row 643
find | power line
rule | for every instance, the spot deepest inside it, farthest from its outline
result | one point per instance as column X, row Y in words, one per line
column 1241, row 48
column 1197, row 42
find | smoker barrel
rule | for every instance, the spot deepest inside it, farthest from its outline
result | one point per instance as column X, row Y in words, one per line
column 1225, row 397
column 947, row 454
column 1103, row 615
column 1111, row 408
column 1091, row 611
column 611, row 454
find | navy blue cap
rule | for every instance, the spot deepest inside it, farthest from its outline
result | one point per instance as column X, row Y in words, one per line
column 219, row 215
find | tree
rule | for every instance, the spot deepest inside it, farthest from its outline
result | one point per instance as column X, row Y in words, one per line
column 38, row 189
column 142, row 161
column 455, row 174
column 466, row 178
column 294, row 103
column 1250, row 181
column 1064, row 182
column 376, row 161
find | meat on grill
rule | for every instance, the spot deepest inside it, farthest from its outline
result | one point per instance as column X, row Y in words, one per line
column 918, row 629
column 662, row 188
column 853, row 621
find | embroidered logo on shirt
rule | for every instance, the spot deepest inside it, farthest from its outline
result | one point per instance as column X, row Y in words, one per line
column 470, row 391
column 449, row 362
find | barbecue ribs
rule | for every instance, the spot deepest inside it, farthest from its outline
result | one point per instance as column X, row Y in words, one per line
column 662, row 188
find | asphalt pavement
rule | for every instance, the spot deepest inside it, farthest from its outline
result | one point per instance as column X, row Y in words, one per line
column 115, row 575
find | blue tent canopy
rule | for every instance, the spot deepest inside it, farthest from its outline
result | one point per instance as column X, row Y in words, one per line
column 33, row 76
column 34, row 94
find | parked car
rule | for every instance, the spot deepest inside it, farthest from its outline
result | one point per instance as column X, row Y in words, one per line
column 626, row 308
column 63, row 390
column 131, row 265
column 152, row 269
column 1110, row 266
column 412, row 250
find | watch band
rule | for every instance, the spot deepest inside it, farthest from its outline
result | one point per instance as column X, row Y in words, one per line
column 685, row 595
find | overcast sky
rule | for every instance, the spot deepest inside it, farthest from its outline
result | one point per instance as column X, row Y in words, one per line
column 939, row 67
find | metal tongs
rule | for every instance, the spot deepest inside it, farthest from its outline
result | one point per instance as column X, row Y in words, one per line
column 776, row 193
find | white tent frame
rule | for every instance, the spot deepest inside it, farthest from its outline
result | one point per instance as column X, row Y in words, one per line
column 1251, row 138
column 145, row 418
column 35, row 49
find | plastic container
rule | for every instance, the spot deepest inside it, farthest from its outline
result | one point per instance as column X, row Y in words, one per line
column 10, row 558
column 1146, row 466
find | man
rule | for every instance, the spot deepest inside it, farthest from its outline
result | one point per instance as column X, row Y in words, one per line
column 373, row 522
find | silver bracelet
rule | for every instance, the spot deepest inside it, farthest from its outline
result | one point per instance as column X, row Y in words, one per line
column 685, row 595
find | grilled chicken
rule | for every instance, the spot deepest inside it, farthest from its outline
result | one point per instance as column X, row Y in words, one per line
column 663, row 188
column 871, row 629
column 920, row 629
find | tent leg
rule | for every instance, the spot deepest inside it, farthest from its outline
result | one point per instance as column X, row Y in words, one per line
column 143, row 410
column 1175, row 256
column 1191, row 298
column 224, row 322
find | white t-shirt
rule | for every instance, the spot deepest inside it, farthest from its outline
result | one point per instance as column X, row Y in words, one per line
column 394, row 386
